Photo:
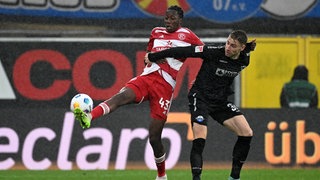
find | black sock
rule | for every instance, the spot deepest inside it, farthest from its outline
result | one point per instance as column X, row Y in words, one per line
column 240, row 153
column 196, row 156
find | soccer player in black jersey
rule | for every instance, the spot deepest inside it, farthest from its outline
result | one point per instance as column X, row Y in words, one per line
column 209, row 95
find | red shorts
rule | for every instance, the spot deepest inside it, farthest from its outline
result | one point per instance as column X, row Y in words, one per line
column 154, row 88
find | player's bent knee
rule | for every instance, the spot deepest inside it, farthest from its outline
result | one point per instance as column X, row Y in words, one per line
column 245, row 132
column 250, row 133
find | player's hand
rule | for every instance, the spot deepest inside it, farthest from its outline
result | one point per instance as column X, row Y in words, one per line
column 253, row 45
column 146, row 59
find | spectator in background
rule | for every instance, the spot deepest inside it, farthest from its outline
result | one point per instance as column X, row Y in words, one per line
column 299, row 92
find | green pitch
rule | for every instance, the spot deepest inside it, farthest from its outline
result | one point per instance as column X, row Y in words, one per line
column 247, row 174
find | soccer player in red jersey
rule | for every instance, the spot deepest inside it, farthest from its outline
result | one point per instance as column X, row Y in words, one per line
column 156, row 83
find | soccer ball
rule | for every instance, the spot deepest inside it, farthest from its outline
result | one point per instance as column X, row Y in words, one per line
column 82, row 101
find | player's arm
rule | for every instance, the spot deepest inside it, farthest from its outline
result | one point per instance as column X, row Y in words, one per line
column 245, row 54
column 250, row 46
column 176, row 52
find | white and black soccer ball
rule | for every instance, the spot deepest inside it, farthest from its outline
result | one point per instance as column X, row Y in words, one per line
column 82, row 101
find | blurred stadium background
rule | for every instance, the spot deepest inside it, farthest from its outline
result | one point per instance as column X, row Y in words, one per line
column 51, row 50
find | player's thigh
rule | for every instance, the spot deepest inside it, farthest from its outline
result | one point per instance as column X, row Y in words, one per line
column 139, row 88
column 124, row 96
column 239, row 125
column 199, row 131
column 160, row 99
column 198, row 109
column 199, row 116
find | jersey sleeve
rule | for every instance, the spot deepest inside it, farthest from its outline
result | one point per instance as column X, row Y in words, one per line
column 178, row 52
column 151, row 41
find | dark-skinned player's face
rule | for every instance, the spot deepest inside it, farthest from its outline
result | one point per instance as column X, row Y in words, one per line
column 172, row 21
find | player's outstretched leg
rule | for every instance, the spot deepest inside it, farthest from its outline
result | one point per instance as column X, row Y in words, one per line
column 83, row 118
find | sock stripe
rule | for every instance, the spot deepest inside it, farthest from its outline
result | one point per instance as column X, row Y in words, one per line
column 105, row 107
column 160, row 159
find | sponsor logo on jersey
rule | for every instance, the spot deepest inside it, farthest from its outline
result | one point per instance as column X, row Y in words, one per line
column 224, row 72
column 213, row 47
column 160, row 49
column 198, row 49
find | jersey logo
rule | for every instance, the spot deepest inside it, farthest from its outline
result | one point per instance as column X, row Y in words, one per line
column 181, row 36
column 224, row 72
column 200, row 118
column 198, row 49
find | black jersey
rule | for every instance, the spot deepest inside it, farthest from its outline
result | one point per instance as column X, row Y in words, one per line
column 217, row 71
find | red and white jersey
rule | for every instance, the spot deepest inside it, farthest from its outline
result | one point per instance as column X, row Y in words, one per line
column 160, row 40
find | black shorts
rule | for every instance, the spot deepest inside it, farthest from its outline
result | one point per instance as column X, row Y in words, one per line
column 201, row 110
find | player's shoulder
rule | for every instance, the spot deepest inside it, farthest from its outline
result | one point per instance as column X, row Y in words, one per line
column 158, row 29
column 185, row 30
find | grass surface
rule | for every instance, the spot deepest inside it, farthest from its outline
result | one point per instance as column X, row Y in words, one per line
column 247, row 174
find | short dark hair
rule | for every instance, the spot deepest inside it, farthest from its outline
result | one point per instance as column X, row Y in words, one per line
column 239, row 35
column 178, row 9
